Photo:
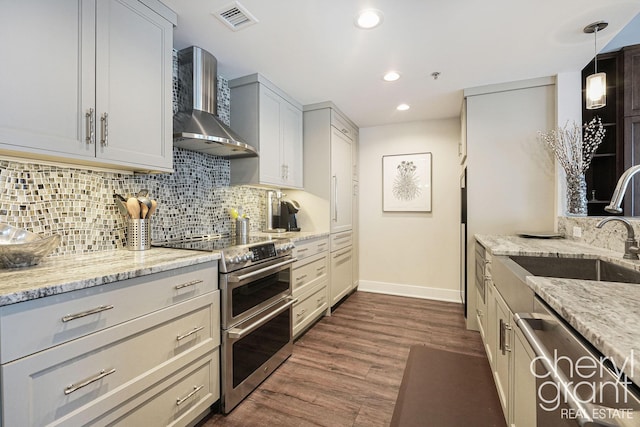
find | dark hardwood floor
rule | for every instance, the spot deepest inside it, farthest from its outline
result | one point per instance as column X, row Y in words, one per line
column 347, row 370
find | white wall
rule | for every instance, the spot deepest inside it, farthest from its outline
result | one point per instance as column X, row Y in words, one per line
column 402, row 253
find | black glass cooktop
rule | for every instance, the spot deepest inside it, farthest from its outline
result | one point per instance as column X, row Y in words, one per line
column 209, row 243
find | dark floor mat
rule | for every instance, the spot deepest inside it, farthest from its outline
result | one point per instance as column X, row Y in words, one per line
column 446, row 389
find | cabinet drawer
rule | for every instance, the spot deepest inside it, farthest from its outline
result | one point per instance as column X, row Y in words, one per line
column 311, row 306
column 308, row 248
column 36, row 325
column 178, row 401
column 107, row 367
column 341, row 240
column 310, row 274
column 342, row 124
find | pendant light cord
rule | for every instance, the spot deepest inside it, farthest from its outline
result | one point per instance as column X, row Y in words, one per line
column 595, row 48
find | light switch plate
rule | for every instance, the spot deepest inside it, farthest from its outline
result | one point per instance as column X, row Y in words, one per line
column 577, row 232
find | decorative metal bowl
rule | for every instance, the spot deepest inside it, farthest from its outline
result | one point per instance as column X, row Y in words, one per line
column 22, row 248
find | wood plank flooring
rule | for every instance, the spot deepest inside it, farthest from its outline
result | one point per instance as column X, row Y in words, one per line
column 347, row 370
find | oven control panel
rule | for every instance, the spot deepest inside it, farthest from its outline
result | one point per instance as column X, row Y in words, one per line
column 260, row 252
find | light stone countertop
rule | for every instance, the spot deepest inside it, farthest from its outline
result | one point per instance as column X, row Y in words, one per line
column 606, row 314
column 56, row 275
column 295, row 236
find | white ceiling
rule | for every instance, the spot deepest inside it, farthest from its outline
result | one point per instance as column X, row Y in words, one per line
column 312, row 50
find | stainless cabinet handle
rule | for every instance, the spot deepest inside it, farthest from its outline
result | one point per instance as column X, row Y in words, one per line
column 342, row 237
column 181, row 400
column 339, row 254
column 304, row 276
column 186, row 285
column 320, row 270
column 323, row 244
column 302, row 249
column 91, row 126
column 188, row 334
column 73, row 387
column 335, row 198
column 96, row 310
column 501, row 336
column 320, row 300
column 104, row 141
column 302, row 312
column 479, row 313
column 345, row 131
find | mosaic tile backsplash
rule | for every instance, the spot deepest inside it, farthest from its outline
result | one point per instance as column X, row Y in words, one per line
column 78, row 203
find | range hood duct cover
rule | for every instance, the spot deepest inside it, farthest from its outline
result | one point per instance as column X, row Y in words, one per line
column 196, row 126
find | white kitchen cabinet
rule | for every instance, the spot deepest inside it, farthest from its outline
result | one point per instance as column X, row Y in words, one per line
column 341, row 182
column 341, row 274
column 356, row 230
column 271, row 121
column 502, row 354
column 523, row 387
column 105, row 363
column 89, row 82
column 310, row 277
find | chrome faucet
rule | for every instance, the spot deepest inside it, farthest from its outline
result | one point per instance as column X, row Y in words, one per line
column 631, row 248
column 621, row 188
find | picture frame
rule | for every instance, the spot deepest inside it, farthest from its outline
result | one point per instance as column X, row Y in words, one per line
column 406, row 182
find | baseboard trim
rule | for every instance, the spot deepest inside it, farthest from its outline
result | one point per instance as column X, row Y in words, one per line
column 409, row 291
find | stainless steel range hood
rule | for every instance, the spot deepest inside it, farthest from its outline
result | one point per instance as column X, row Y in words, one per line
column 196, row 126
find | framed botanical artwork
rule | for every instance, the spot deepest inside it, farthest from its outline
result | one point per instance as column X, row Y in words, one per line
column 406, row 183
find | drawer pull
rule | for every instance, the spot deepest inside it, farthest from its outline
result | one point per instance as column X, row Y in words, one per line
column 188, row 334
column 73, row 387
column 338, row 255
column 304, row 276
column 320, row 270
column 345, row 236
column 186, row 285
column 70, row 317
column 181, row 400
column 302, row 249
column 302, row 312
column 323, row 244
column 320, row 300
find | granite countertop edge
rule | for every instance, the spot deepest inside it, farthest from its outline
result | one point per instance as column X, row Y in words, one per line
column 605, row 313
column 57, row 275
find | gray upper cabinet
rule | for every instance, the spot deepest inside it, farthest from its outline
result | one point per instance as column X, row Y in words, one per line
column 87, row 82
column 271, row 121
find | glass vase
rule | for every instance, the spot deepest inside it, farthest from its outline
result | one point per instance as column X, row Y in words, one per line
column 576, row 195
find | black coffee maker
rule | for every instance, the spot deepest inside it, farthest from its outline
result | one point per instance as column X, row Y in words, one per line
column 288, row 211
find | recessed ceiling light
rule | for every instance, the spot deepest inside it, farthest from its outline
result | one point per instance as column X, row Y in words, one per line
column 391, row 76
column 403, row 107
column 369, row 18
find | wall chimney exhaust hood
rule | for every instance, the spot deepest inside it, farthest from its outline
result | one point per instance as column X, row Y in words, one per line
column 196, row 126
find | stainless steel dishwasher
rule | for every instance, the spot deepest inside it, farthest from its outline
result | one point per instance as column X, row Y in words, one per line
column 575, row 384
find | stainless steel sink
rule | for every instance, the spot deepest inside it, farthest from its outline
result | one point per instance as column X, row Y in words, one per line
column 577, row 268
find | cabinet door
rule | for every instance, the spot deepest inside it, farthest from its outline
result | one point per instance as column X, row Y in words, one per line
column 133, row 84
column 292, row 145
column 341, row 199
column 271, row 166
column 524, row 383
column 47, row 75
column 490, row 342
column 502, row 355
column 341, row 270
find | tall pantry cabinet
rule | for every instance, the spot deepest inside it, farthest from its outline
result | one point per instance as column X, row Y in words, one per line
column 329, row 140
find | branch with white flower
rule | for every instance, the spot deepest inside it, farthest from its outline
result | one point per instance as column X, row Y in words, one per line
column 574, row 148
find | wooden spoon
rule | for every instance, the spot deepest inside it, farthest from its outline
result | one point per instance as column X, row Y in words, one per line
column 133, row 206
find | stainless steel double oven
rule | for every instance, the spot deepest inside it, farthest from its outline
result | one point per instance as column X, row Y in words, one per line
column 257, row 328
column 256, row 309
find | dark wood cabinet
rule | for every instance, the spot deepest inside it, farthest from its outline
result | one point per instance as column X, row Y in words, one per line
column 608, row 162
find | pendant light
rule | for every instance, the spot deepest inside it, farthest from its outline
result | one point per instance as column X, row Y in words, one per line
column 596, row 96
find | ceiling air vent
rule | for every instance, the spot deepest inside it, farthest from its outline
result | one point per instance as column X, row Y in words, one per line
column 235, row 16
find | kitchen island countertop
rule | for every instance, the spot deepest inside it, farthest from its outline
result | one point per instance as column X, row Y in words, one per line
column 56, row 275
column 606, row 314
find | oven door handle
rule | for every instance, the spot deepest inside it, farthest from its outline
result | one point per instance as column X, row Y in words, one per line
column 582, row 409
column 237, row 333
column 237, row 279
